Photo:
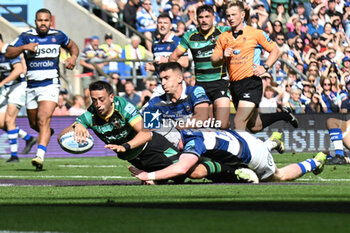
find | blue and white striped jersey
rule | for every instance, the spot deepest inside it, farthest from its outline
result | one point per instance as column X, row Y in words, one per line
column 165, row 48
column 44, row 63
column 6, row 66
column 221, row 145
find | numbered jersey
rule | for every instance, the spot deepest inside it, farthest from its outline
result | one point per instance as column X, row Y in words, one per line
column 224, row 146
column 42, row 64
column 118, row 128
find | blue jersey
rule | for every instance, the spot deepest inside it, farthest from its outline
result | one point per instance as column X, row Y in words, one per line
column 224, row 146
column 42, row 65
column 165, row 48
column 183, row 108
column 6, row 67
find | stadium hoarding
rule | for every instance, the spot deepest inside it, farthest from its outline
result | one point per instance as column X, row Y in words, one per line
column 54, row 149
column 311, row 136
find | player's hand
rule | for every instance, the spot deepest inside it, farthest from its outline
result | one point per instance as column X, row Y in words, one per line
column 80, row 133
column 116, row 148
column 70, row 63
column 162, row 59
column 228, row 52
column 32, row 47
column 139, row 174
column 149, row 67
column 258, row 70
column 134, row 171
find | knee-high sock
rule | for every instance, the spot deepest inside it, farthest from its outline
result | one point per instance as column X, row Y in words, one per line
column 23, row 134
column 337, row 140
column 12, row 137
column 308, row 165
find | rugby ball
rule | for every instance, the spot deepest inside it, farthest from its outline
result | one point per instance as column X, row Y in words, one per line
column 68, row 144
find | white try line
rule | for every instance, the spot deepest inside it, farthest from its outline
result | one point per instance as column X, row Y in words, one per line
column 28, row 231
column 324, row 180
column 89, row 166
column 72, row 177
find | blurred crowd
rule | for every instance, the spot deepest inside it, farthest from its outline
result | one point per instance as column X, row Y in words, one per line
column 313, row 36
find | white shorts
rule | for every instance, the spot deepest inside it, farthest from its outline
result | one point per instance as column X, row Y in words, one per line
column 14, row 95
column 261, row 162
column 46, row 93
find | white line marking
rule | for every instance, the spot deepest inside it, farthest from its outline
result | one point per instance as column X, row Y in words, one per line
column 73, row 177
column 88, row 166
column 325, row 180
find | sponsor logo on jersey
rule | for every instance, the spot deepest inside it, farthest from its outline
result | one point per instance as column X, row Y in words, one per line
column 41, row 64
column 206, row 54
column 236, row 52
column 45, row 51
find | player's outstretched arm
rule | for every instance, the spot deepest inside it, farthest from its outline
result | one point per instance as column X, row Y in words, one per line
column 12, row 52
column 142, row 136
column 186, row 161
column 74, row 51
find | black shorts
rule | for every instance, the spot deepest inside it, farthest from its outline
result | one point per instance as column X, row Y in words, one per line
column 215, row 89
column 158, row 154
column 248, row 89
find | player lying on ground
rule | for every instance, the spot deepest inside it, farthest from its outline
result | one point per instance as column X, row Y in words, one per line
column 340, row 137
column 118, row 123
column 225, row 146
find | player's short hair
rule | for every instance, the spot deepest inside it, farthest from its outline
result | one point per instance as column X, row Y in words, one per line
column 164, row 15
column 170, row 66
column 43, row 10
column 237, row 3
column 101, row 85
column 203, row 8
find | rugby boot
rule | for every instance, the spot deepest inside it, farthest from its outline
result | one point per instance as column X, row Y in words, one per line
column 38, row 163
column 246, row 175
column 29, row 144
column 291, row 118
column 277, row 138
column 336, row 160
column 321, row 158
column 13, row 159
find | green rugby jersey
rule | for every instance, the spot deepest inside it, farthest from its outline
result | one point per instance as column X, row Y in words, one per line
column 202, row 47
column 118, row 128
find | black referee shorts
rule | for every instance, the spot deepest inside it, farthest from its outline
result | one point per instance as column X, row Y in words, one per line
column 248, row 89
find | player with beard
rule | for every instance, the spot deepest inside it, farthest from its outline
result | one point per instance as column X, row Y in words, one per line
column 163, row 48
column 167, row 43
column 201, row 42
column 41, row 48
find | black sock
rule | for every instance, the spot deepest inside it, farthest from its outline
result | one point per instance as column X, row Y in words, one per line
column 270, row 118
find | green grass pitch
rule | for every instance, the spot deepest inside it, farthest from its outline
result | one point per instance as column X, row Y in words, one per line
column 310, row 204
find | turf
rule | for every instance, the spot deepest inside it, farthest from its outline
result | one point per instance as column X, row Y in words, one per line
column 311, row 204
